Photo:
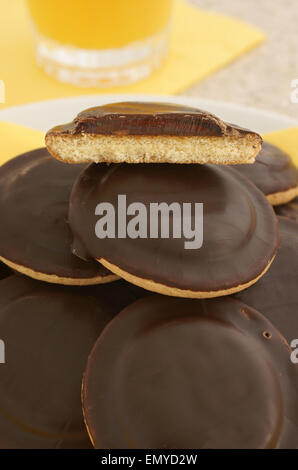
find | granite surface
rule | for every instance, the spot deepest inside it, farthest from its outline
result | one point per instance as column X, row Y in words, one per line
column 262, row 78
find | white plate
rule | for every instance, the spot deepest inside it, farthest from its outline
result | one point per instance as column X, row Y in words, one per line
column 46, row 114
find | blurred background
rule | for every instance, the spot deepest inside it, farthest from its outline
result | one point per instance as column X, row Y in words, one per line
column 263, row 77
column 242, row 52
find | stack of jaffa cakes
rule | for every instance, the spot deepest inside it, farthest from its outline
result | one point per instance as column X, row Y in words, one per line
column 155, row 269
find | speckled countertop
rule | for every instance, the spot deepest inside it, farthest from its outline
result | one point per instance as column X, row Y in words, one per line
column 262, row 78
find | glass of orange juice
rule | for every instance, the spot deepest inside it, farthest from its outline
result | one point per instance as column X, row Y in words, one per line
column 100, row 42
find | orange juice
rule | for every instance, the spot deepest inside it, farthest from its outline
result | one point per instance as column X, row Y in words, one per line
column 99, row 24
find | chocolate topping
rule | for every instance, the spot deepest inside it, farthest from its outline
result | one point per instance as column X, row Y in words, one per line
column 34, row 194
column 172, row 373
column 240, row 228
column 272, row 172
column 48, row 332
column 276, row 294
column 289, row 210
column 152, row 119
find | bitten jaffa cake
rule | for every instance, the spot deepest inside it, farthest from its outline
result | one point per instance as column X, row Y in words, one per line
column 151, row 133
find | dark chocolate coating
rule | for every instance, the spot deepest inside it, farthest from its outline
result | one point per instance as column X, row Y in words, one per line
column 289, row 210
column 34, row 194
column 240, row 227
column 151, row 119
column 172, row 373
column 272, row 172
column 276, row 293
column 4, row 271
column 48, row 332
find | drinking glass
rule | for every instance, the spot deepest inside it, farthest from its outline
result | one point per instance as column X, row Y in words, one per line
column 100, row 42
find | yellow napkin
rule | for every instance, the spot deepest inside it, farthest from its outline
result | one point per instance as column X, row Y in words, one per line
column 16, row 139
column 201, row 43
column 287, row 140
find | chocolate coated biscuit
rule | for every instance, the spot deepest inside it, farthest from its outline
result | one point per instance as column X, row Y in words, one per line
column 276, row 294
column 273, row 173
column 48, row 332
column 35, row 238
column 239, row 225
column 137, row 132
column 172, row 373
